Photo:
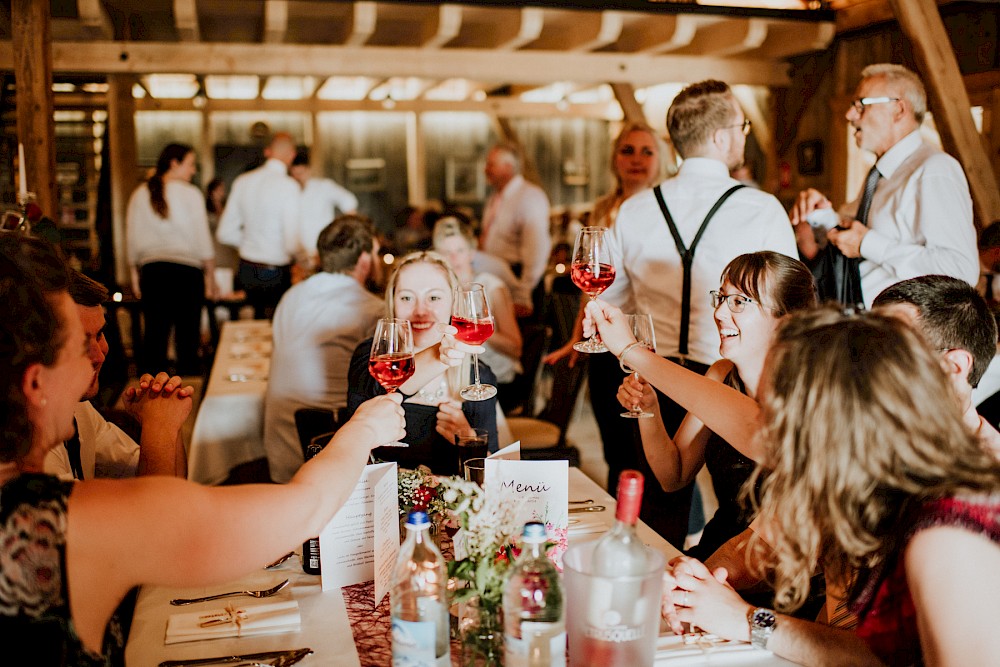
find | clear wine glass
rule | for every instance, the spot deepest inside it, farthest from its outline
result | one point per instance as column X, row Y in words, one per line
column 470, row 314
column 642, row 328
column 391, row 361
column 593, row 271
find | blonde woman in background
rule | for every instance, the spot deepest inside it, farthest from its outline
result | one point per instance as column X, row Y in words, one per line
column 421, row 291
column 636, row 165
column 453, row 239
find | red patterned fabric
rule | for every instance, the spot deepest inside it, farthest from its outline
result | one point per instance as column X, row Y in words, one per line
column 890, row 625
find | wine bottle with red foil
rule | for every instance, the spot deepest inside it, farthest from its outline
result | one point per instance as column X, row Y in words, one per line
column 617, row 612
column 310, row 548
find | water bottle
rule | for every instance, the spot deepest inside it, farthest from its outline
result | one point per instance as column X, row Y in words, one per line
column 419, row 600
column 618, row 611
column 534, row 616
column 310, row 548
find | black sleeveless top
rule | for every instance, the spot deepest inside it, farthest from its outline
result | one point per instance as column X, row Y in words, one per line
column 35, row 619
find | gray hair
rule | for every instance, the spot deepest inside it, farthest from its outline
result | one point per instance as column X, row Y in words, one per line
column 903, row 80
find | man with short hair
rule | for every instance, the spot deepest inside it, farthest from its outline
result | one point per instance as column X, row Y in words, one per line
column 516, row 224
column 261, row 218
column 323, row 199
column 706, row 216
column 317, row 325
column 160, row 405
column 914, row 215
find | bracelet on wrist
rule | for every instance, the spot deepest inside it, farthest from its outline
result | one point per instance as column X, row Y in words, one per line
column 621, row 357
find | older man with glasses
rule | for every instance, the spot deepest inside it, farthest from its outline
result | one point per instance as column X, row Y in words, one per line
column 914, row 214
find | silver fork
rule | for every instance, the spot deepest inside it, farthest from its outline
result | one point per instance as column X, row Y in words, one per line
column 266, row 593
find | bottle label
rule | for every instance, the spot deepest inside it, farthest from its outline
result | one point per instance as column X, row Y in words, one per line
column 414, row 644
column 540, row 643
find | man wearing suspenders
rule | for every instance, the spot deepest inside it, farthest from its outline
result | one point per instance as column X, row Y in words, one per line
column 672, row 243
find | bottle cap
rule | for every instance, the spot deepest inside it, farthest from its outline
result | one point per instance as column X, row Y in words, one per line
column 417, row 519
column 534, row 532
column 630, row 485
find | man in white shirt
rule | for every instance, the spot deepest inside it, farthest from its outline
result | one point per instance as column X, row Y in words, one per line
column 101, row 449
column 708, row 129
column 919, row 217
column 323, row 199
column 516, row 224
column 262, row 220
column 317, row 326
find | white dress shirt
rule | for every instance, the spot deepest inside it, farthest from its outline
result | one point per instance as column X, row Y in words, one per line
column 322, row 200
column 517, row 231
column 181, row 238
column 649, row 274
column 920, row 221
column 106, row 452
column 262, row 215
column 317, row 325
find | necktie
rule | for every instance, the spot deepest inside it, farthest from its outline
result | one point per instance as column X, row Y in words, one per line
column 73, row 448
column 866, row 197
column 491, row 211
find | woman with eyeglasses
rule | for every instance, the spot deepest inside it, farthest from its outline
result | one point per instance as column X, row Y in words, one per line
column 757, row 291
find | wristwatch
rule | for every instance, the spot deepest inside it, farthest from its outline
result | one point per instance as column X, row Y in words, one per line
column 762, row 622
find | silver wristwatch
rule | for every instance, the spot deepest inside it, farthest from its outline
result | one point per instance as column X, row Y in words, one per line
column 762, row 622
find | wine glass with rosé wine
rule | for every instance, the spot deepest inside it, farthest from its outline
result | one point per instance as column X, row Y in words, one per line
column 593, row 271
column 470, row 314
column 391, row 359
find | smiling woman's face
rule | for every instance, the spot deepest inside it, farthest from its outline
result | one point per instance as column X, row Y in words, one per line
column 423, row 296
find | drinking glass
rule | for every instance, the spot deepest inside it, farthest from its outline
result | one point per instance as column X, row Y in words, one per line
column 472, row 443
column 593, row 271
column 475, row 471
column 390, row 361
column 642, row 328
column 470, row 314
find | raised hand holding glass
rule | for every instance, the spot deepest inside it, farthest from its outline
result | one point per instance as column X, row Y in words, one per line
column 593, row 271
column 391, row 361
column 470, row 314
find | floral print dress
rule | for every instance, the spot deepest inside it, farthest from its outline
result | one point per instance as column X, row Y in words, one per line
column 35, row 617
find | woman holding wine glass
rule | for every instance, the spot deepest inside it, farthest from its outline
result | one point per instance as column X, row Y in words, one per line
column 757, row 290
column 636, row 166
column 422, row 290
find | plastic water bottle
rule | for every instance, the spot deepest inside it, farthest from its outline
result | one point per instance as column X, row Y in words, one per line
column 419, row 600
column 533, row 609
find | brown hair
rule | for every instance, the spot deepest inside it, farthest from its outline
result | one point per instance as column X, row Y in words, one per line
column 856, row 436
column 31, row 332
column 697, row 112
column 787, row 282
column 342, row 242
column 85, row 291
column 170, row 154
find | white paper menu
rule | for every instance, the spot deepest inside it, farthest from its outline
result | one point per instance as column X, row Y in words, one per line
column 361, row 543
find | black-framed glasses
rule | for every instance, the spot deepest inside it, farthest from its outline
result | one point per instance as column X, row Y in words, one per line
column 744, row 127
column 860, row 105
column 735, row 302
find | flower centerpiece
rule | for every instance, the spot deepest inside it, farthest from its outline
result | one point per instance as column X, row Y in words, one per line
column 484, row 550
column 418, row 492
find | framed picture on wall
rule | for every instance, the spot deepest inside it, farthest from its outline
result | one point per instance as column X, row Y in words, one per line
column 810, row 156
column 464, row 180
column 366, row 174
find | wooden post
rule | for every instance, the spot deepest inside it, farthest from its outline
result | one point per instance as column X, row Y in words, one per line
column 631, row 109
column 124, row 161
column 922, row 25
column 31, row 28
column 416, row 161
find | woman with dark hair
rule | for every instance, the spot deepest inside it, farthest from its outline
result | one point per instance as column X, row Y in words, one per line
column 171, row 259
column 757, row 290
column 871, row 474
column 73, row 550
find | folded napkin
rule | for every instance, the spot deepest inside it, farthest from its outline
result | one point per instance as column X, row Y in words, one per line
column 672, row 650
column 234, row 620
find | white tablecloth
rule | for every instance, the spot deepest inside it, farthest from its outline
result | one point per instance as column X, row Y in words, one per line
column 229, row 429
column 325, row 627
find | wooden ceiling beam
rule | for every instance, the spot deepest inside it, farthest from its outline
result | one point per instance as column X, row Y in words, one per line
column 363, row 25
column 448, row 26
column 275, row 21
column 610, row 29
column 729, row 38
column 186, row 20
column 527, row 67
column 529, row 29
column 683, row 28
column 631, row 109
column 94, row 19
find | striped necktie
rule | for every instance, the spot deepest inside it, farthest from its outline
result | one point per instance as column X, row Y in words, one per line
column 866, row 197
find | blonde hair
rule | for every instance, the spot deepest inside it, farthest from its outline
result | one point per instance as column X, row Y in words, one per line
column 856, row 436
column 605, row 206
column 449, row 227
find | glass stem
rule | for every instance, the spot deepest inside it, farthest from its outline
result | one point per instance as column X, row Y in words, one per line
column 475, row 368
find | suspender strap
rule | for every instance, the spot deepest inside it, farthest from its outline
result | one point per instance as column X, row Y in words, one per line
column 687, row 256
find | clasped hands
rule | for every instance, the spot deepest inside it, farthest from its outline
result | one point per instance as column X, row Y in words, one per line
column 159, row 398
column 701, row 597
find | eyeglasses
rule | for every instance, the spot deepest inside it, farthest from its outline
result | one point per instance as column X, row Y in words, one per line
column 744, row 127
column 735, row 302
column 859, row 105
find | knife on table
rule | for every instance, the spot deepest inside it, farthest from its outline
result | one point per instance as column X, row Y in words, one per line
column 284, row 658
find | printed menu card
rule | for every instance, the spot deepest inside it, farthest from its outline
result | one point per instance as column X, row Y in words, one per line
column 361, row 542
column 541, row 488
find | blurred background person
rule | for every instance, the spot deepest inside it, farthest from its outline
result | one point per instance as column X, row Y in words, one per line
column 171, row 259
column 323, row 199
column 226, row 257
